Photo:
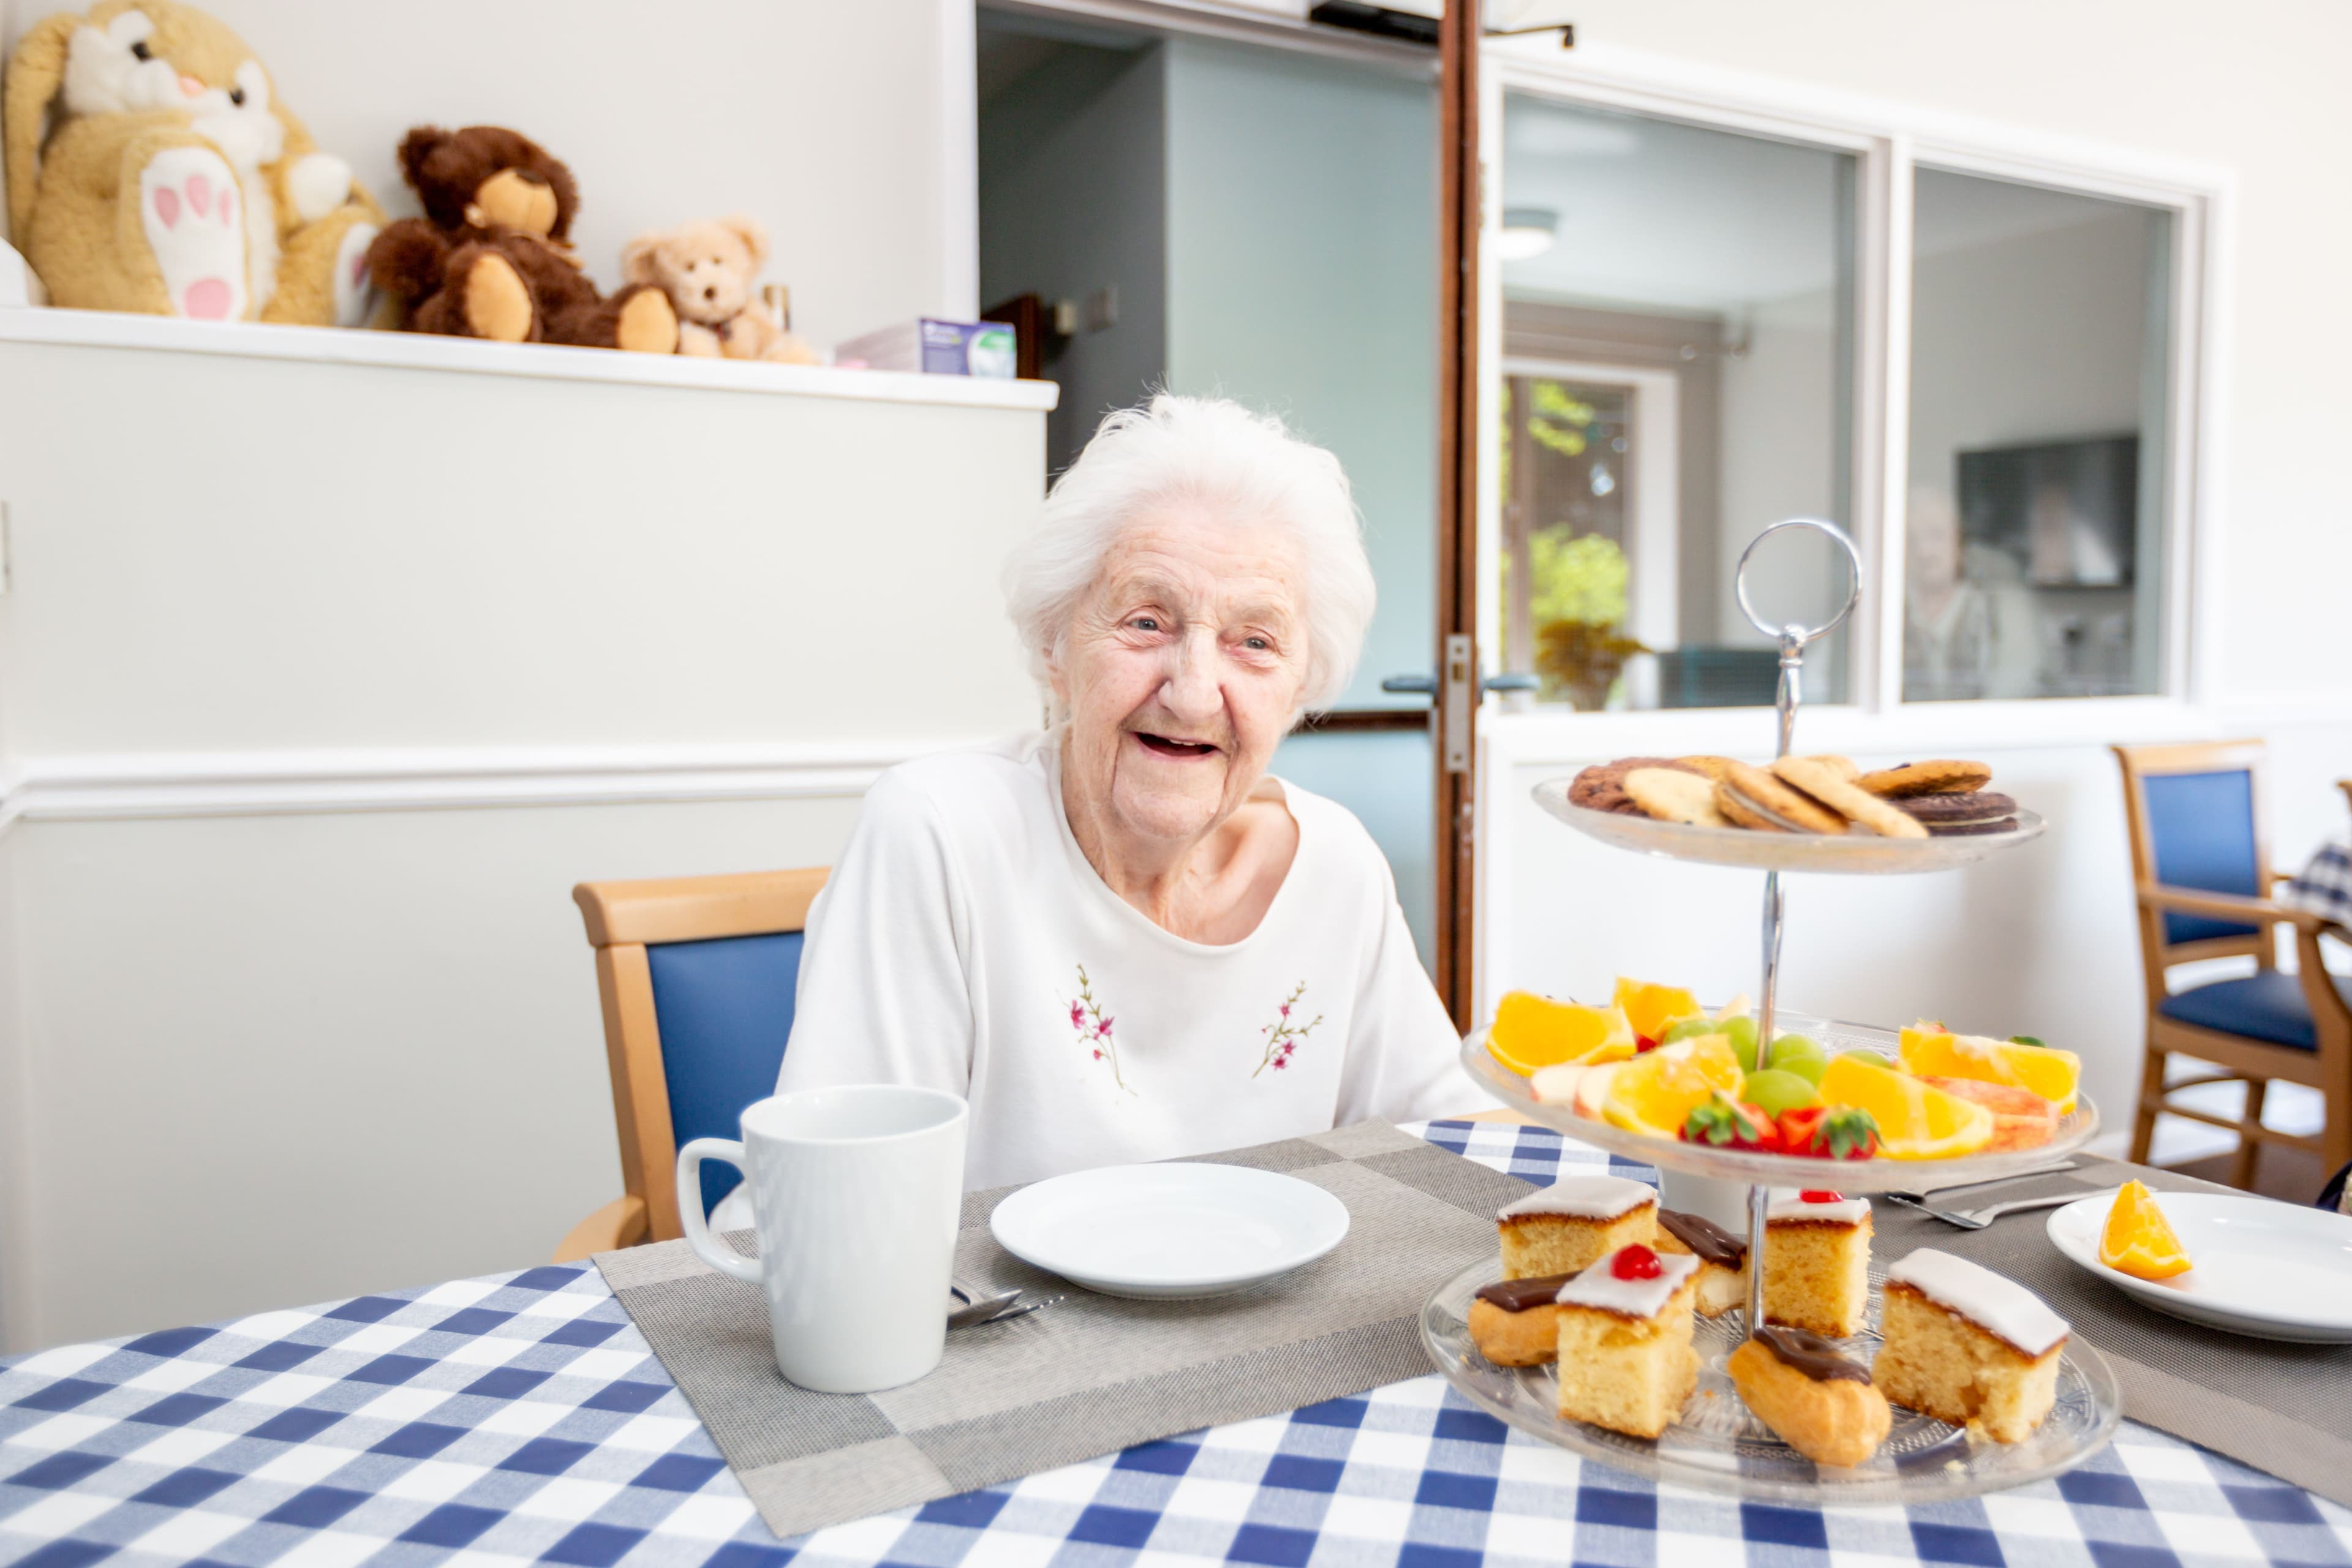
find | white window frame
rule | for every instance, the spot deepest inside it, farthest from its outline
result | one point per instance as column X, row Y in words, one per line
column 1888, row 141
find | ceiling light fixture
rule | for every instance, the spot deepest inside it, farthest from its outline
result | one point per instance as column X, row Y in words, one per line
column 1528, row 233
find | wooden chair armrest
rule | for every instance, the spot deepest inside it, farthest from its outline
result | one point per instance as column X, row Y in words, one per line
column 621, row 1223
column 2227, row 907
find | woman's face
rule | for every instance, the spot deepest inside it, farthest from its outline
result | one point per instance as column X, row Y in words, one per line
column 1182, row 670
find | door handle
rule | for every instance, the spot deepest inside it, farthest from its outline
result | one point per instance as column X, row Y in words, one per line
column 1511, row 682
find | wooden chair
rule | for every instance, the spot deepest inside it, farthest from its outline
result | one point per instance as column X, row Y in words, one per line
column 697, row 975
column 2200, row 864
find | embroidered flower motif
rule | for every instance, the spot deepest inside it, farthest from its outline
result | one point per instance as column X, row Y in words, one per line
column 1093, row 1026
column 1282, row 1036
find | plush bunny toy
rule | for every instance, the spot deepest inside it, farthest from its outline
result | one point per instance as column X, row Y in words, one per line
column 150, row 169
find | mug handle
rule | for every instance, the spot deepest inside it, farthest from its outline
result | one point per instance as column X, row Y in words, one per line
column 706, row 1246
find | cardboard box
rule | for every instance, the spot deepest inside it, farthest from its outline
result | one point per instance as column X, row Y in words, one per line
column 935, row 347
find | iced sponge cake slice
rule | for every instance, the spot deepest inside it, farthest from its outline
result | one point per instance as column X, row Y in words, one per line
column 1968, row 1346
column 1625, row 1355
column 1563, row 1228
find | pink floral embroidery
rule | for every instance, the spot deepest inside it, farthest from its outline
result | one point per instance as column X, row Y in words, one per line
column 1093, row 1027
column 1282, row 1036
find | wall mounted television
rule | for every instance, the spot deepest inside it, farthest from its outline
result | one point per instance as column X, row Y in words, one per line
column 2066, row 511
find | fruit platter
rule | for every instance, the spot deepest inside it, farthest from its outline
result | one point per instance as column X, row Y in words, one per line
column 1655, row 1077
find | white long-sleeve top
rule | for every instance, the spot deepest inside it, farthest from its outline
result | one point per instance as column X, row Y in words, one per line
column 964, row 943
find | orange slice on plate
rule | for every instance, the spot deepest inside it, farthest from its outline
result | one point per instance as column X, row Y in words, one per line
column 1655, row 1092
column 1932, row 1051
column 1532, row 1032
column 1915, row 1121
column 2139, row 1239
column 1652, row 1010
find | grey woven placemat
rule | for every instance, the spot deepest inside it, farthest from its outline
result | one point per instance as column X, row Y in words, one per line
column 2280, row 1407
column 1087, row 1377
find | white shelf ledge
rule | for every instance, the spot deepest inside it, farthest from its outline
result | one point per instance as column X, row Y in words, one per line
column 549, row 361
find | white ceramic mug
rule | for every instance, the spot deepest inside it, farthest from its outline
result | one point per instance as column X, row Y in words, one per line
column 856, row 1192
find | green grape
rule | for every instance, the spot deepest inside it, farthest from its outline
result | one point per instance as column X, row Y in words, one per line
column 1742, row 1031
column 1689, row 1028
column 1802, row 1055
column 1875, row 1058
column 1773, row 1091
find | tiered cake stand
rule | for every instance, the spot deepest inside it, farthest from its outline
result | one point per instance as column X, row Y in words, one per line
column 1716, row 1443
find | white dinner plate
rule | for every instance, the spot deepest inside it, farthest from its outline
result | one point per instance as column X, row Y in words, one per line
column 2273, row 1271
column 1170, row 1229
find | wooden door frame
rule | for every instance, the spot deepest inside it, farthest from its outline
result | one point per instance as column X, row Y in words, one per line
column 1455, row 707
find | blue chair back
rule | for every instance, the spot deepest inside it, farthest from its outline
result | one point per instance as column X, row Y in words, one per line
column 724, row 1007
column 2201, row 826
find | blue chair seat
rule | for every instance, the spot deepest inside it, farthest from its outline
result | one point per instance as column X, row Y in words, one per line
column 2265, row 1006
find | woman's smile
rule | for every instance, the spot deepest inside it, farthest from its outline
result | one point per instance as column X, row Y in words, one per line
column 1175, row 748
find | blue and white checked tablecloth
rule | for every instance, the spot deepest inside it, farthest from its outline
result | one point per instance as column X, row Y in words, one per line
column 2324, row 887
column 520, row 1418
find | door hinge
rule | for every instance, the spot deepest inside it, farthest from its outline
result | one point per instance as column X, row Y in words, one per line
column 1459, row 702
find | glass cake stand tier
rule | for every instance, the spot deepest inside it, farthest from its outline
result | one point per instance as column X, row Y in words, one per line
column 1717, row 1445
column 1852, row 854
column 1855, row 1176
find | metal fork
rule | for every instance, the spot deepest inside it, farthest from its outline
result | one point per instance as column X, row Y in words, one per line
column 1977, row 1219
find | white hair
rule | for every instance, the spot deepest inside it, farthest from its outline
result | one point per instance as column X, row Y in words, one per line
column 1208, row 451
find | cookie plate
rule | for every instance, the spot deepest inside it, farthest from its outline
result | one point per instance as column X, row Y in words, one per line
column 1879, row 1175
column 1717, row 1445
column 1853, row 854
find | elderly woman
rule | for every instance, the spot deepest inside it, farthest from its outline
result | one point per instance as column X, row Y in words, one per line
column 1124, row 940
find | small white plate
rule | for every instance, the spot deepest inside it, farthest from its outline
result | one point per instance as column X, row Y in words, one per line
column 2268, row 1269
column 1170, row 1229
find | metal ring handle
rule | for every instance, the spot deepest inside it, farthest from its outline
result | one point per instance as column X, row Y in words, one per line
column 1853, row 593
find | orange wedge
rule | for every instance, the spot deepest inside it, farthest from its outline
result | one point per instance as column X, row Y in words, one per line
column 2139, row 1239
column 1531, row 1032
column 1655, row 1092
column 1653, row 1009
column 1933, row 1051
column 1915, row 1121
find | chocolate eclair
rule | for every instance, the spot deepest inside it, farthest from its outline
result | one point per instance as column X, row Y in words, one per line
column 1722, row 1256
column 1816, row 1399
column 1515, row 1322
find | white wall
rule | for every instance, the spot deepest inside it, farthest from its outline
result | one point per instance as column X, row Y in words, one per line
column 285, row 1012
column 827, row 121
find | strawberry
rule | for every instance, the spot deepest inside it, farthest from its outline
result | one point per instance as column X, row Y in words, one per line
column 1829, row 1132
column 1728, row 1123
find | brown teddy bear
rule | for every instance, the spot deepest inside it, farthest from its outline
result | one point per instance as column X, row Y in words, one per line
column 151, row 168
column 489, row 258
column 706, row 271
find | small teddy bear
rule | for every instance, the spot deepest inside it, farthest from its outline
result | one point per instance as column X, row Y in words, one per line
column 707, row 269
column 490, row 258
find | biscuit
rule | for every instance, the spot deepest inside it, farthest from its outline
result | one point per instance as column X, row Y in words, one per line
column 1822, row 782
column 1754, row 798
column 1602, row 787
column 1968, row 807
column 1713, row 767
column 1847, row 768
column 1945, row 777
column 1671, row 795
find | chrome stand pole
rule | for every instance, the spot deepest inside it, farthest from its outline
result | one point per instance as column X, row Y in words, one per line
column 1759, row 1206
column 1787, row 700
